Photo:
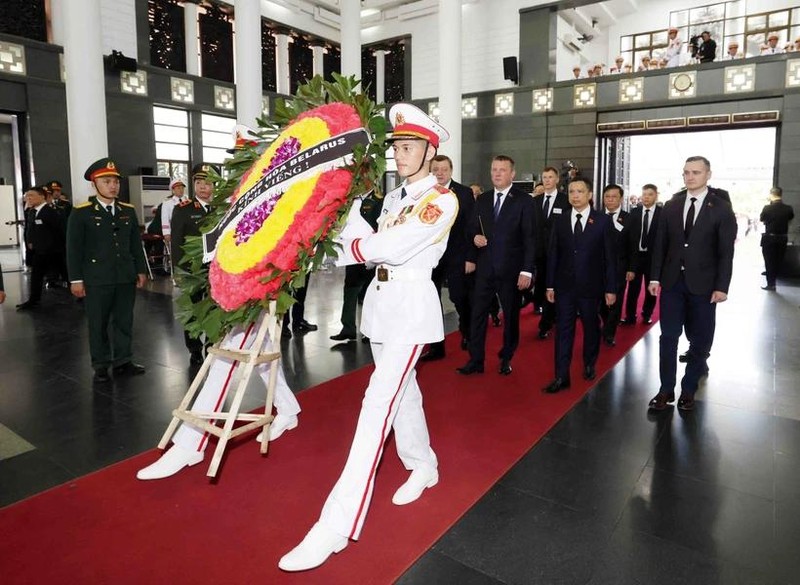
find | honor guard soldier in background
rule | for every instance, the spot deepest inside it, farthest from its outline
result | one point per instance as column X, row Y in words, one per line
column 176, row 188
column 401, row 313
column 186, row 220
column 775, row 217
column 60, row 200
column 106, row 264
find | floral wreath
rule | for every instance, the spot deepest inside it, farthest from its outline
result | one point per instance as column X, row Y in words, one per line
column 273, row 243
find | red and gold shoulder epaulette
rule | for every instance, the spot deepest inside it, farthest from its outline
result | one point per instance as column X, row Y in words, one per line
column 185, row 203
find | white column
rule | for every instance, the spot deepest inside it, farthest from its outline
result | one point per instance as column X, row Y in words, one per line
column 191, row 34
column 318, row 51
column 450, row 79
column 350, row 15
column 380, row 76
column 282, row 75
column 57, row 9
column 86, row 98
column 248, row 62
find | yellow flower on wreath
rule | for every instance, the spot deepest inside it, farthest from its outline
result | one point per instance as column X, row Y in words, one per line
column 235, row 259
column 308, row 131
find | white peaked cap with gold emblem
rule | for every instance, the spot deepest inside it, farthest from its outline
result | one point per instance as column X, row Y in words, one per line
column 409, row 122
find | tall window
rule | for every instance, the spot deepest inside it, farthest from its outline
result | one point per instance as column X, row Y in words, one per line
column 396, row 71
column 331, row 62
column 301, row 63
column 24, row 18
column 167, row 44
column 216, row 44
column 267, row 57
column 217, row 137
column 172, row 141
column 368, row 73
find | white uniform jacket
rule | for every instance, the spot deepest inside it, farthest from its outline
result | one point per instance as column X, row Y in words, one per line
column 401, row 304
column 166, row 214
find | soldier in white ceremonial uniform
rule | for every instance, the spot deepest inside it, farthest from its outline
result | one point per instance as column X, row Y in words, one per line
column 401, row 313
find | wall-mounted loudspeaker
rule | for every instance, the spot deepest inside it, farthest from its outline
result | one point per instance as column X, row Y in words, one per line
column 116, row 61
column 510, row 69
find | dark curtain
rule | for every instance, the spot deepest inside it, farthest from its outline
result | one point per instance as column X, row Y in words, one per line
column 301, row 63
column 167, row 43
column 216, row 45
column 24, row 18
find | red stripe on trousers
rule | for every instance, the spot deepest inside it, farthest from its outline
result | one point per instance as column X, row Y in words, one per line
column 222, row 394
column 380, row 445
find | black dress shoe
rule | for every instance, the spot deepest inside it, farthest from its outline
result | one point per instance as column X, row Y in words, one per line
column 464, row 343
column 610, row 341
column 101, row 375
column 344, row 336
column 364, row 339
column 543, row 334
column 660, row 401
column 470, row 368
column 556, row 385
column 647, row 320
column 129, row 369
column 27, row 305
column 496, row 320
column 196, row 358
column 589, row 373
column 303, row 326
column 627, row 322
column 431, row 355
column 768, row 287
column 686, row 403
column 505, row 368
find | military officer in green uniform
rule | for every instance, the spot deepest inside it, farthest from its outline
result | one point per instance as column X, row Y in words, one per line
column 106, row 264
column 186, row 220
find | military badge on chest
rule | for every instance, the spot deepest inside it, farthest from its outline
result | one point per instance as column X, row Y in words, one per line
column 393, row 220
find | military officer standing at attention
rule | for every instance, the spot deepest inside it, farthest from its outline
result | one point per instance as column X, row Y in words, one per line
column 401, row 313
column 106, row 264
column 186, row 220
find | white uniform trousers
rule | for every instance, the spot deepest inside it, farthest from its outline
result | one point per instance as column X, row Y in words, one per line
column 392, row 401
column 211, row 397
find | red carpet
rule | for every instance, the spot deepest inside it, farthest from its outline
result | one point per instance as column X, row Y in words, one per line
column 108, row 527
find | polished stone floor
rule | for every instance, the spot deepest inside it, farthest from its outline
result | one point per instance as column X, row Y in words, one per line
column 611, row 495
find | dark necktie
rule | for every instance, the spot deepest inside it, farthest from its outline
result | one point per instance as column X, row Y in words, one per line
column 645, row 227
column 110, row 209
column 497, row 205
column 546, row 206
column 578, row 226
column 403, row 193
column 687, row 228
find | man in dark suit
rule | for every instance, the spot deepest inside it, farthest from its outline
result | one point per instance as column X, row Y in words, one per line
column 708, row 49
column 44, row 242
column 692, row 266
column 106, row 264
column 581, row 274
column 452, row 265
column 775, row 217
column 547, row 207
column 186, row 220
column 612, row 200
column 502, row 257
column 643, row 227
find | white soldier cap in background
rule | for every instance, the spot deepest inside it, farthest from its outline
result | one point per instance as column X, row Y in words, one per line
column 410, row 122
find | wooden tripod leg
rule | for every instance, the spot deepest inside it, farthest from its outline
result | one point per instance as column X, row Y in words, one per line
column 231, row 415
column 275, row 347
column 187, row 399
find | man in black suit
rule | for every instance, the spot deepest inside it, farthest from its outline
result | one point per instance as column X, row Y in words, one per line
column 708, row 49
column 502, row 257
column 775, row 217
column 692, row 265
column 452, row 265
column 610, row 314
column 581, row 274
column 547, row 207
column 643, row 226
column 44, row 241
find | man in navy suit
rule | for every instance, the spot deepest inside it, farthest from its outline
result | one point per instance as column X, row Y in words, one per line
column 643, row 226
column 581, row 274
column 502, row 257
column 452, row 265
column 692, row 265
column 612, row 200
column 548, row 206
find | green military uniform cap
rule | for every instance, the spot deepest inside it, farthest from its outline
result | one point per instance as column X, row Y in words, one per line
column 105, row 167
column 201, row 171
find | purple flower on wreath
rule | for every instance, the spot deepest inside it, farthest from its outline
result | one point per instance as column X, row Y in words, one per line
column 289, row 148
column 252, row 221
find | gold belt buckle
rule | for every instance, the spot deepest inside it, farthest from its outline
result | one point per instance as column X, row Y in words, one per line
column 383, row 274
